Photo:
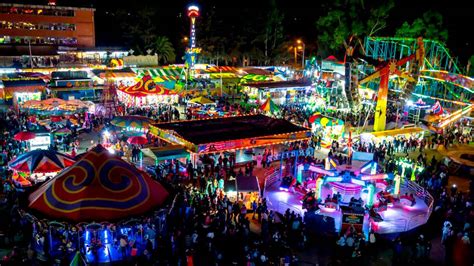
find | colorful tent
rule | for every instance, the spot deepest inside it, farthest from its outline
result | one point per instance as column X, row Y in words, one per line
column 145, row 87
column 269, row 106
column 24, row 135
column 314, row 117
column 201, row 100
column 98, row 187
column 132, row 121
column 41, row 161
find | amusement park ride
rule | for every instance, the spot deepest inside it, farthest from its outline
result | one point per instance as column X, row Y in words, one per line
column 426, row 71
column 384, row 71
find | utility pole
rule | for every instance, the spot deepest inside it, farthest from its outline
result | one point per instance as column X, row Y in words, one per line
column 31, row 56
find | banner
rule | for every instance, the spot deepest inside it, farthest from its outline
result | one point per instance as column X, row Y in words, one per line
column 252, row 142
column 141, row 60
column 352, row 218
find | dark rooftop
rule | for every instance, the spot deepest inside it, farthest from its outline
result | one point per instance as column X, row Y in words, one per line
column 230, row 128
column 279, row 84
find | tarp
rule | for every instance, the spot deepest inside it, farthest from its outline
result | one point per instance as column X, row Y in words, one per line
column 98, row 187
column 223, row 69
column 201, row 100
column 396, row 132
column 166, row 153
column 247, row 184
column 145, row 87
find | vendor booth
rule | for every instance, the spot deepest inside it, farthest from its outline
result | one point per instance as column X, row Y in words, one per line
column 16, row 91
column 330, row 128
column 283, row 92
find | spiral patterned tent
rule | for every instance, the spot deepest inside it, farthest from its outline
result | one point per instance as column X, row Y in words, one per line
column 41, row 161
column 98, row 187
column 145, row 87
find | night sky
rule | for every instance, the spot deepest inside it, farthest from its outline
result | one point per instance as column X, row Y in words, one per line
column 300, row 17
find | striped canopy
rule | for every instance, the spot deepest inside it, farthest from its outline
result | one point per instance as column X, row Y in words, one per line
column 41, row 161
column 98, row 187
column 269, row 106
column 160, row 74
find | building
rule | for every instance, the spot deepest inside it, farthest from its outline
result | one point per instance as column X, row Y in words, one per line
column 45, row 29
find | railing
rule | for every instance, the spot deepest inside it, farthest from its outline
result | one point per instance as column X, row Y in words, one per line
column 420, row 192
column 271, row 177
column 407, row 224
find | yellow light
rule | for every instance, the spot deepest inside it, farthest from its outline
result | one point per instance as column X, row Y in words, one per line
column 300, row 47
column 298, row 41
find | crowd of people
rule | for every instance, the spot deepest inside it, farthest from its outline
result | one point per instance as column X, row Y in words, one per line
column 204, row 226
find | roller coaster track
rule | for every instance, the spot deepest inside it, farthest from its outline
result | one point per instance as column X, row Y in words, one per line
column 440, row 76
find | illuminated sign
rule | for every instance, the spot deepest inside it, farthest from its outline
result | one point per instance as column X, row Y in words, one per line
column 42, row 141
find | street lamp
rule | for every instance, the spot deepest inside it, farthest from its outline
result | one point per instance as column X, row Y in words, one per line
column 301, row 46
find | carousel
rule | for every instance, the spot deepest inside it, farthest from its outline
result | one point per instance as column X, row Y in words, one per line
column 91, row 205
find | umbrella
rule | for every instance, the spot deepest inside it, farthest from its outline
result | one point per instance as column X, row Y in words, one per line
column 24, row 135
column 56, row 118
column 41, row 161
column 139, row 140
column 201, row 100
column 132, row 121
column 62, row 131
column 269, row 106
column 98, row 187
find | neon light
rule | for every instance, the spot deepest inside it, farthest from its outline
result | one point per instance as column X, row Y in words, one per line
column 321, row 171
column 299, row 175
column 334, row 179
column 374, row 177
column 373, row 171
column 455, row 116
column 367, row 166
column 345, row 188
column 357, row 182
column 413, row 177
column 397, row 185
column 370, row 195
column 319, row 184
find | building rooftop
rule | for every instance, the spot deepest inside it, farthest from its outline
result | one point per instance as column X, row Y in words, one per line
column 230, row 128
column 57, row 7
